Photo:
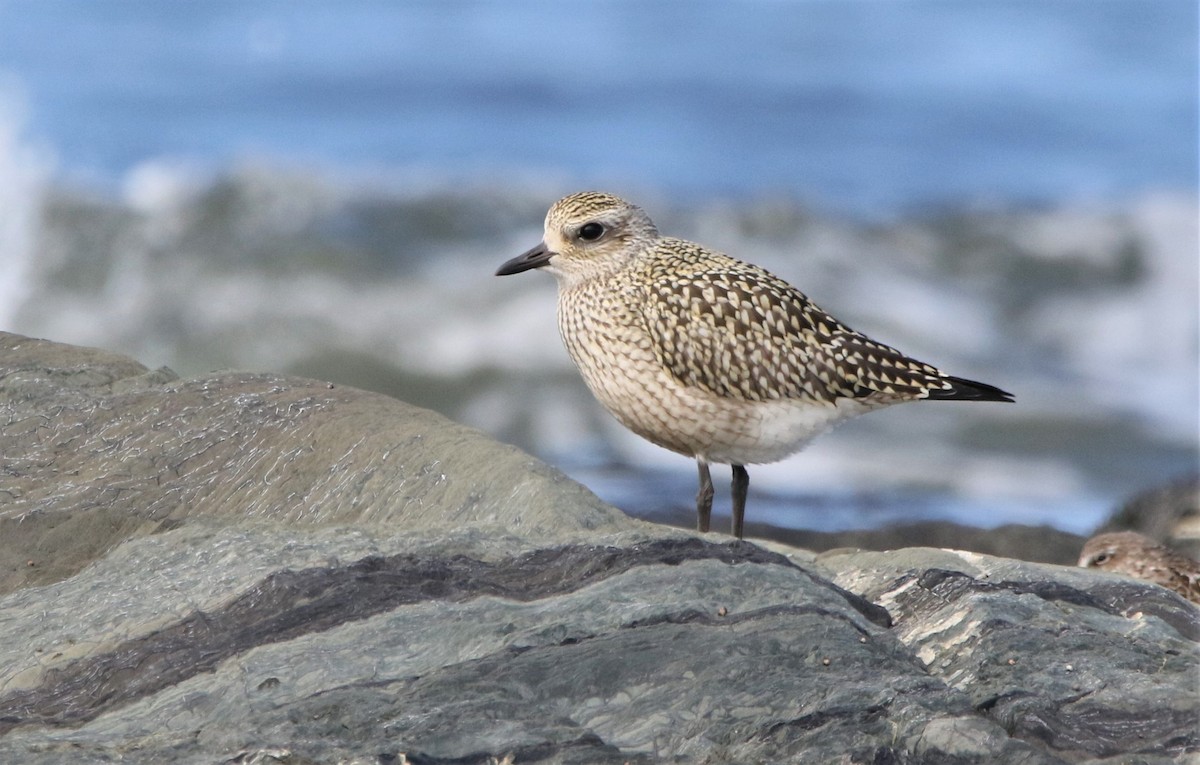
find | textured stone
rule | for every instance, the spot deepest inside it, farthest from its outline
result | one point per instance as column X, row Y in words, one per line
column 95, row 451
column 258, row 569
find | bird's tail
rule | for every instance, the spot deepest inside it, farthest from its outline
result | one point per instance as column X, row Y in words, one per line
column 959, row 389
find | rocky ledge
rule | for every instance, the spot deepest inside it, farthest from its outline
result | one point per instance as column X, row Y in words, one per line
column 250, row 568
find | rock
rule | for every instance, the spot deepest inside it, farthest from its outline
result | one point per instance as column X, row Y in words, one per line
column 1041, row 544
column 98, row 449
column 1033, row 646
column 254, row 568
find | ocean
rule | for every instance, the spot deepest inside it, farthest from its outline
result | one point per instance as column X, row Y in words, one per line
column 1006, row 189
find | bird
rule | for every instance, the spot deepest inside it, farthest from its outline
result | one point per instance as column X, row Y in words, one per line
column 1138, row 556
column 709, row 356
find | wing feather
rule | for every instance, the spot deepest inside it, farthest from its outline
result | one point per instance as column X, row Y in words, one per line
column 735, row 330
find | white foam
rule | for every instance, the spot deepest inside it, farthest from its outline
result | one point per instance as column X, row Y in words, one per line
column 162, row 187
column 1138, row 348
column 25, row 167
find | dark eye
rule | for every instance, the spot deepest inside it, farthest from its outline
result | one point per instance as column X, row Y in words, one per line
column 1101, row 559
column 590, row 232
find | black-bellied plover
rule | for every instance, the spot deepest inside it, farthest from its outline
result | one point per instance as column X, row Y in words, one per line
column 706, row 355
column 1132, row 554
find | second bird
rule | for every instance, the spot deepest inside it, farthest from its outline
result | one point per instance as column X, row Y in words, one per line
column 709, row 356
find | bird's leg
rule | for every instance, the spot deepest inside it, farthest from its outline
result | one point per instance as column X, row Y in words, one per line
column 741, row 482
column 704, row 496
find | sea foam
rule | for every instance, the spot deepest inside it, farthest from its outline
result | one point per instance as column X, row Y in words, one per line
column 24, row 170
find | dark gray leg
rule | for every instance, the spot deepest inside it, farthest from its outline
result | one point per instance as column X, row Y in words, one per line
column 704, row 497
column 741, row 482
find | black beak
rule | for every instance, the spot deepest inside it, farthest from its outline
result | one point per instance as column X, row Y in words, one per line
column 535, row 258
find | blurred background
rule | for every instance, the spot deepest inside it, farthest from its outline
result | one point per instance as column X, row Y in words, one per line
column 1005, row 188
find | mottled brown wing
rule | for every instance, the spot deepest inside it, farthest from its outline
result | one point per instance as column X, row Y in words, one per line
column 735, row 330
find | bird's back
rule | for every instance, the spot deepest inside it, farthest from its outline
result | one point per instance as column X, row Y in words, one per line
column 739, row 332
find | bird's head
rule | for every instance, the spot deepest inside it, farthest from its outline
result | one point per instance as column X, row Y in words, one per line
column 1113, row 550
column 587, row 234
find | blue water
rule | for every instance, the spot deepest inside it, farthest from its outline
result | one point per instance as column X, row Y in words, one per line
column 865, row 107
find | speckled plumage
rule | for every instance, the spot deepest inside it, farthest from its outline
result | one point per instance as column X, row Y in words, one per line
column 706, row 355
column 1132, row 554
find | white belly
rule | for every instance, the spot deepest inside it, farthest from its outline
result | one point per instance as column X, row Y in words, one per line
column 699, row 424
column 614, row 354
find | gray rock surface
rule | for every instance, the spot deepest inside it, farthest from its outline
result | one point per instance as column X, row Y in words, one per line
column 250, row 568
